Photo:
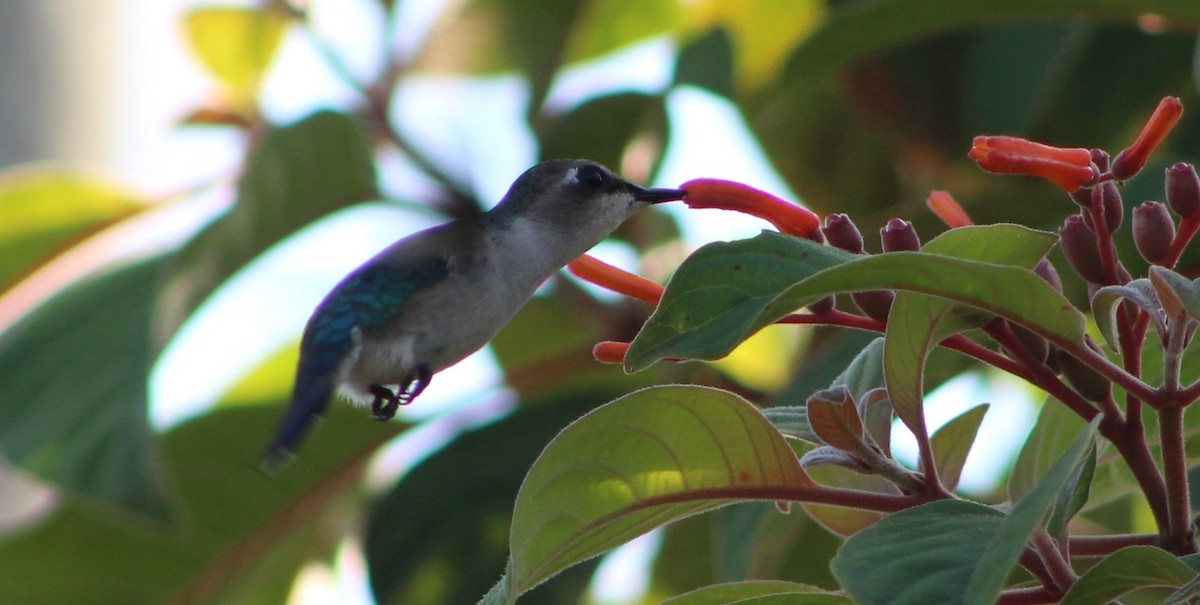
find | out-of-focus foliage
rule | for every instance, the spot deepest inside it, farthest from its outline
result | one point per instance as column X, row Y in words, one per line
column 862, row 107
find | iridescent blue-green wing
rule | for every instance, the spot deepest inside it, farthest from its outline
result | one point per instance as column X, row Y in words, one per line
column 368, row 299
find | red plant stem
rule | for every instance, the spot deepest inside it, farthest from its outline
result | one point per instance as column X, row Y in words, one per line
column 1028, row 596
column 1170, row 424
column 810, row 494
column 1187, row 229
column 1132, row 384
column 1098, row 546
column 1036, row 567
column 1056, row 564
column 1104, row 243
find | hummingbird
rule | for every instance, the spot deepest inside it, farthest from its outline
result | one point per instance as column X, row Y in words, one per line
column 434, row 297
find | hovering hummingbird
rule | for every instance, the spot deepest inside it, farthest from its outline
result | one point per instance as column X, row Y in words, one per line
column 434, row 297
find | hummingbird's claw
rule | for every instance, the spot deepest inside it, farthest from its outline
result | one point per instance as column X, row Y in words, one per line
column 385, row 404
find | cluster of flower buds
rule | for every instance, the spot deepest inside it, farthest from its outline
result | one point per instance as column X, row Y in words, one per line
column 896, row 236
column 1091, row 179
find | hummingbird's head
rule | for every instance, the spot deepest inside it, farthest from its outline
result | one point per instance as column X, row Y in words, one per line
column 578, row 197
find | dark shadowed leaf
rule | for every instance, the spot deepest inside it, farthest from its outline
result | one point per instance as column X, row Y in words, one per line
column 74, row 400
column 297, row 174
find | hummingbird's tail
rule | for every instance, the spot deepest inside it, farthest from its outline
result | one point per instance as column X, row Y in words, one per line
column 309, row 400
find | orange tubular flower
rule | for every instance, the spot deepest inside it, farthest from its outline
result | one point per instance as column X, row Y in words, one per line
column 1067, row 167
column 608, row 351
column 605, row 275
column 945, row 207
column 729, row 195
column 1131, row 160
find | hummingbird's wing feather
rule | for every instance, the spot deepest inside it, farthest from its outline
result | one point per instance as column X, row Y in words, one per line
column 364, row 302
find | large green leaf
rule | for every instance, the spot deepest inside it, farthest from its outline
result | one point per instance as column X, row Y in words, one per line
column 45, row 209
column 438, row 535
column 1126, row 570
column 920, row 555
column 296, row 175
column 714, row 297
column 725, row 292
column 1005, row 547
column 634, row 464
column 73, row 408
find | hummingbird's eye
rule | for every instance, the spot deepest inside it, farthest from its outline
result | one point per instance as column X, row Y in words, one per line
column 591, row 176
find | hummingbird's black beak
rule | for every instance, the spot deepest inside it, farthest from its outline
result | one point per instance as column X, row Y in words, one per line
column 655, row 196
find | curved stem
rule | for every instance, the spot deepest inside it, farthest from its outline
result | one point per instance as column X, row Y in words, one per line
column 1086, row 546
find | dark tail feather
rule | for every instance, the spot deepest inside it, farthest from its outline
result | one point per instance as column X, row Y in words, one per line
column 308, row 404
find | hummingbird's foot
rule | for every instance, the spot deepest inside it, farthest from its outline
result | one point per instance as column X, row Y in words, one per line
column 414, row 383
column 385, row 404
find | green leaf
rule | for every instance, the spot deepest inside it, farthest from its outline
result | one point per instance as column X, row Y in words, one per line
column 246, row 534
column 1108, row 299
column 1002, row 552
column 603, row 128
column 297, row 174
column 432, row 538
column 1050, row 437
column 1126, row 570
column 918, row 322
column 715, row 296
column 725, row 292
column 920, row 555
column 792, row 420
column 46, row 209
column 604, row 26
column 637, row 463
column 236, row 44
column 953, row 442
column 74, row 400
column 864, row 29
column 757, row 592
column 707, row 62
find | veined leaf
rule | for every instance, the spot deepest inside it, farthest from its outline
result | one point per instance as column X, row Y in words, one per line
column 758, row 592
column 639, row 462
column 724, row 292
column 1126, row 570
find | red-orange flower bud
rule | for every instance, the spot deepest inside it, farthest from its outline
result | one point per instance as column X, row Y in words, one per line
column 729, row 195
column 1068, row 167
column 945, row 207
column 1131, row 160
column 608, row 351
column 602, row 274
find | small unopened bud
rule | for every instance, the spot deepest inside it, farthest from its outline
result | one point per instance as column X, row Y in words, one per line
column 1035, row 345
column 1100, row 158
column 1183, row 189
column 876, row 304
column 1153, row 230
column 898, row 235
column 1110, row 202
column 1089, row 383
column 823, row 306
column 1080, row 247
column 1045, row 270
column 842, row 233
